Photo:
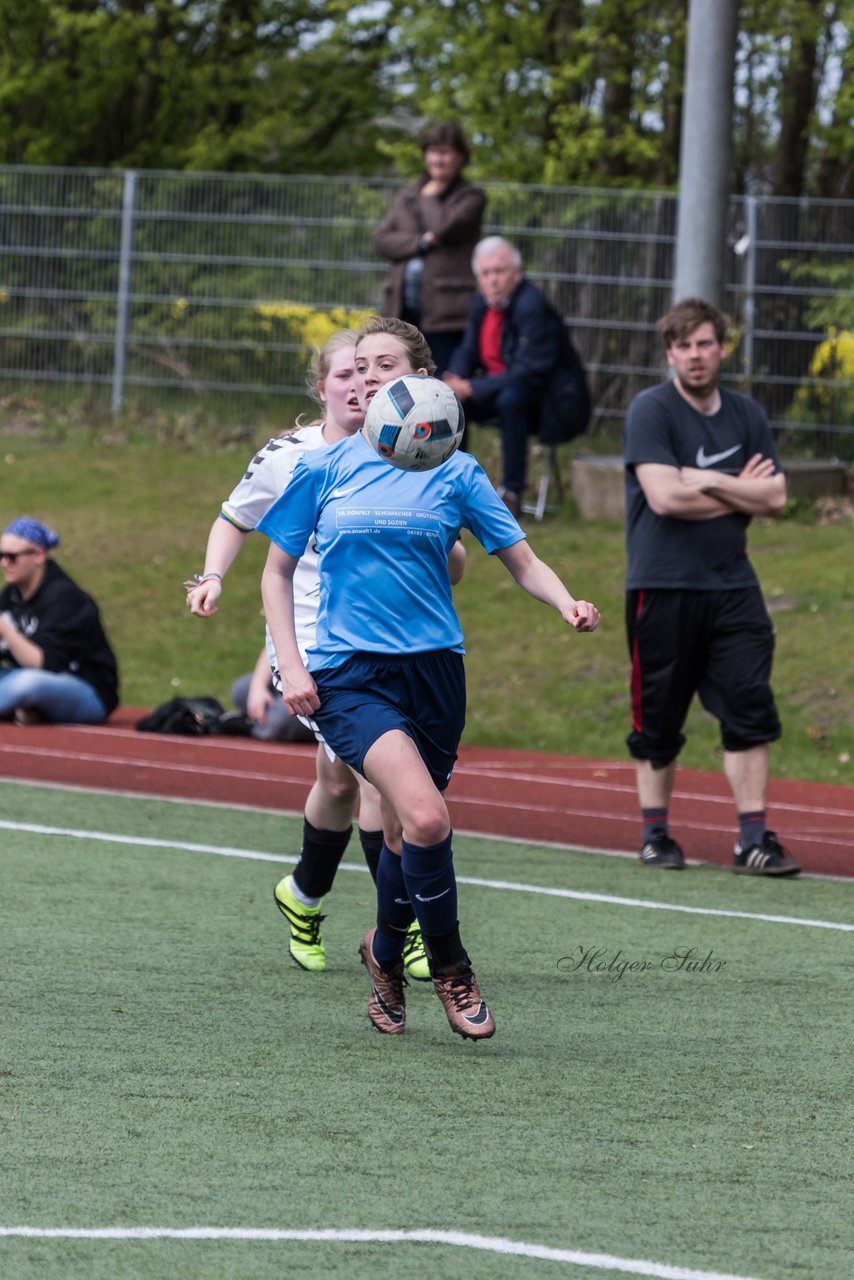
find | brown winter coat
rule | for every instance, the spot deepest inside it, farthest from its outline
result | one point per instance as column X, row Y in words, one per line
column 447, row 283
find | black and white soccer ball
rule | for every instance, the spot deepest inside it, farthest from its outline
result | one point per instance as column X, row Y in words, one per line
column 415, row 422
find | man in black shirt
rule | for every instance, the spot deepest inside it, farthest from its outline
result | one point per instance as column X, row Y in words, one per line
column 56, row 663
column 700, row 462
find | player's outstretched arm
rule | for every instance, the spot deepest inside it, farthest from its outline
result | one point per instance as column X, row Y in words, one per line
column 277, row 589
column 534, row 576
column 224, row 543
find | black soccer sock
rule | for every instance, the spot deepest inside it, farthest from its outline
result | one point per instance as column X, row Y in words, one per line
column 394, row 910
column 319, row 857
column 372, row 843
column 654, row 823
column 751, row 828
column 446, row 951
column 428, row 871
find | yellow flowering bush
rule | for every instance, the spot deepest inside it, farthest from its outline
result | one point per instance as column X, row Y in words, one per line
column 307, row 326
column 830, row 397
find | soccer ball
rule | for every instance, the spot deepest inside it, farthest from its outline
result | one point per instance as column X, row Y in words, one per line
column 415, row 422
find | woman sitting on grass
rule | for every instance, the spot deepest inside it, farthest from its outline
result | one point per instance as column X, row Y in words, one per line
column 56, row 663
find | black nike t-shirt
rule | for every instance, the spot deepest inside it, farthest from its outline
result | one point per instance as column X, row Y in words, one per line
column 665, row 551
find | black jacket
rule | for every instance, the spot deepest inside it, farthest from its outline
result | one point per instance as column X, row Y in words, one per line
column 65, row 624
column 537, row 350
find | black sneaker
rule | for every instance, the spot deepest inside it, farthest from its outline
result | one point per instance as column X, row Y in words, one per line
column 660, row 851
column 766, row 859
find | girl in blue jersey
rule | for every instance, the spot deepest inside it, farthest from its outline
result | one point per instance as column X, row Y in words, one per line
column 384, row 677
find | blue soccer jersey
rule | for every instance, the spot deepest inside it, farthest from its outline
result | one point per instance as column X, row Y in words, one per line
column 383, row 537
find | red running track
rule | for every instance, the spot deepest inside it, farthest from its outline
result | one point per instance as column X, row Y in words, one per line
column 515, row 794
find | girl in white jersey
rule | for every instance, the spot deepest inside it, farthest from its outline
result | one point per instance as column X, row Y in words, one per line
column 384, row 677
column 332, row 800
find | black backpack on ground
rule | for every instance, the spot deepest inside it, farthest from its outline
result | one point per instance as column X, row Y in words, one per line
column 198, row 717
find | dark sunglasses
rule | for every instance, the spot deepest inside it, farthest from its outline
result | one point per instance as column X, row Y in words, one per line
column 12, row 556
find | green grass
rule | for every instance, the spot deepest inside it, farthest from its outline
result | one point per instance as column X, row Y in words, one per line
column 162, row 1064
column 134, row 516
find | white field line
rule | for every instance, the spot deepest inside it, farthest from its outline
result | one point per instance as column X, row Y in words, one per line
column 510, row 886
column 567, row 809
column 457, row 1239
column 461, row 770
column 560, row 845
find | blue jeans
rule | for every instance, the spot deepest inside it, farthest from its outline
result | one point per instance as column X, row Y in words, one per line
column 442, row 347
column 59, row 697
column 515, row 410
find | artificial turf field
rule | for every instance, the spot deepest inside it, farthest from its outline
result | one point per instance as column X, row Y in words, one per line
column 164, row 1066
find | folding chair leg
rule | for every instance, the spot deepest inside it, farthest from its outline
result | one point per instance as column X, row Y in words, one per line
column 551, row 469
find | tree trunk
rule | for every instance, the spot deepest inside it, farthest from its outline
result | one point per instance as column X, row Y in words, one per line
column 798, row 99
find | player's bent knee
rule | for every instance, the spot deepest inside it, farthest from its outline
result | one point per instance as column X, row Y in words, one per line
column 341, row 791
column 337, row 780
column 426, row 829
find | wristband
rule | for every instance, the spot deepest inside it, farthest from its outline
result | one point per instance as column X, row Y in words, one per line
column 199, row 578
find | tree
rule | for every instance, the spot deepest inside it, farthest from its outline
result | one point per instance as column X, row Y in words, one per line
column 562, row 92
column 793, row 63
column 220, row 84
column 555, row 91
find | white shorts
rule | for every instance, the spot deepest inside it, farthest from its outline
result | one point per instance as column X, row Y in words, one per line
column 309, row 724
column 277, row 685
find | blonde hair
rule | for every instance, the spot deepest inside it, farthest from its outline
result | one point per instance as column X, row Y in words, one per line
column 321, row 360
column 411, row 339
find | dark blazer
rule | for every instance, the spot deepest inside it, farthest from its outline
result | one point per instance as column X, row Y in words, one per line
column 447, row 283
column 537, row 350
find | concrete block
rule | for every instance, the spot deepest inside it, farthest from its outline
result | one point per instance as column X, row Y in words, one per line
column 810, row 478
column 597, row 486
column 597, row 483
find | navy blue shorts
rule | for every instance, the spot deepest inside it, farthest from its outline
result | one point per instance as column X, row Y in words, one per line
column 422, row 694
column 717, row 644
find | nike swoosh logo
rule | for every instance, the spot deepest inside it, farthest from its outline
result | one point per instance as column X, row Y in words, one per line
column 478, row 1019
column 395, row 1016
column 403, row 902
column 703, row 461
column 435, row 897
column 342, row 493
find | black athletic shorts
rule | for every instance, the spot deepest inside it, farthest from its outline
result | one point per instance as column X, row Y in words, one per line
column 422, row 694
column 718, row 644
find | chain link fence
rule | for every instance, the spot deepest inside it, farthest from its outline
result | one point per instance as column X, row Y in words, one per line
column 160, row 289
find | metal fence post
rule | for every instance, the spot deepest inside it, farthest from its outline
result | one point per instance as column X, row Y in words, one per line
column 705, row 149
column 751, row 232
column 123, row 293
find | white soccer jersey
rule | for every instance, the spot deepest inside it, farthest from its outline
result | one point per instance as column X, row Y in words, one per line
column 265, row 480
